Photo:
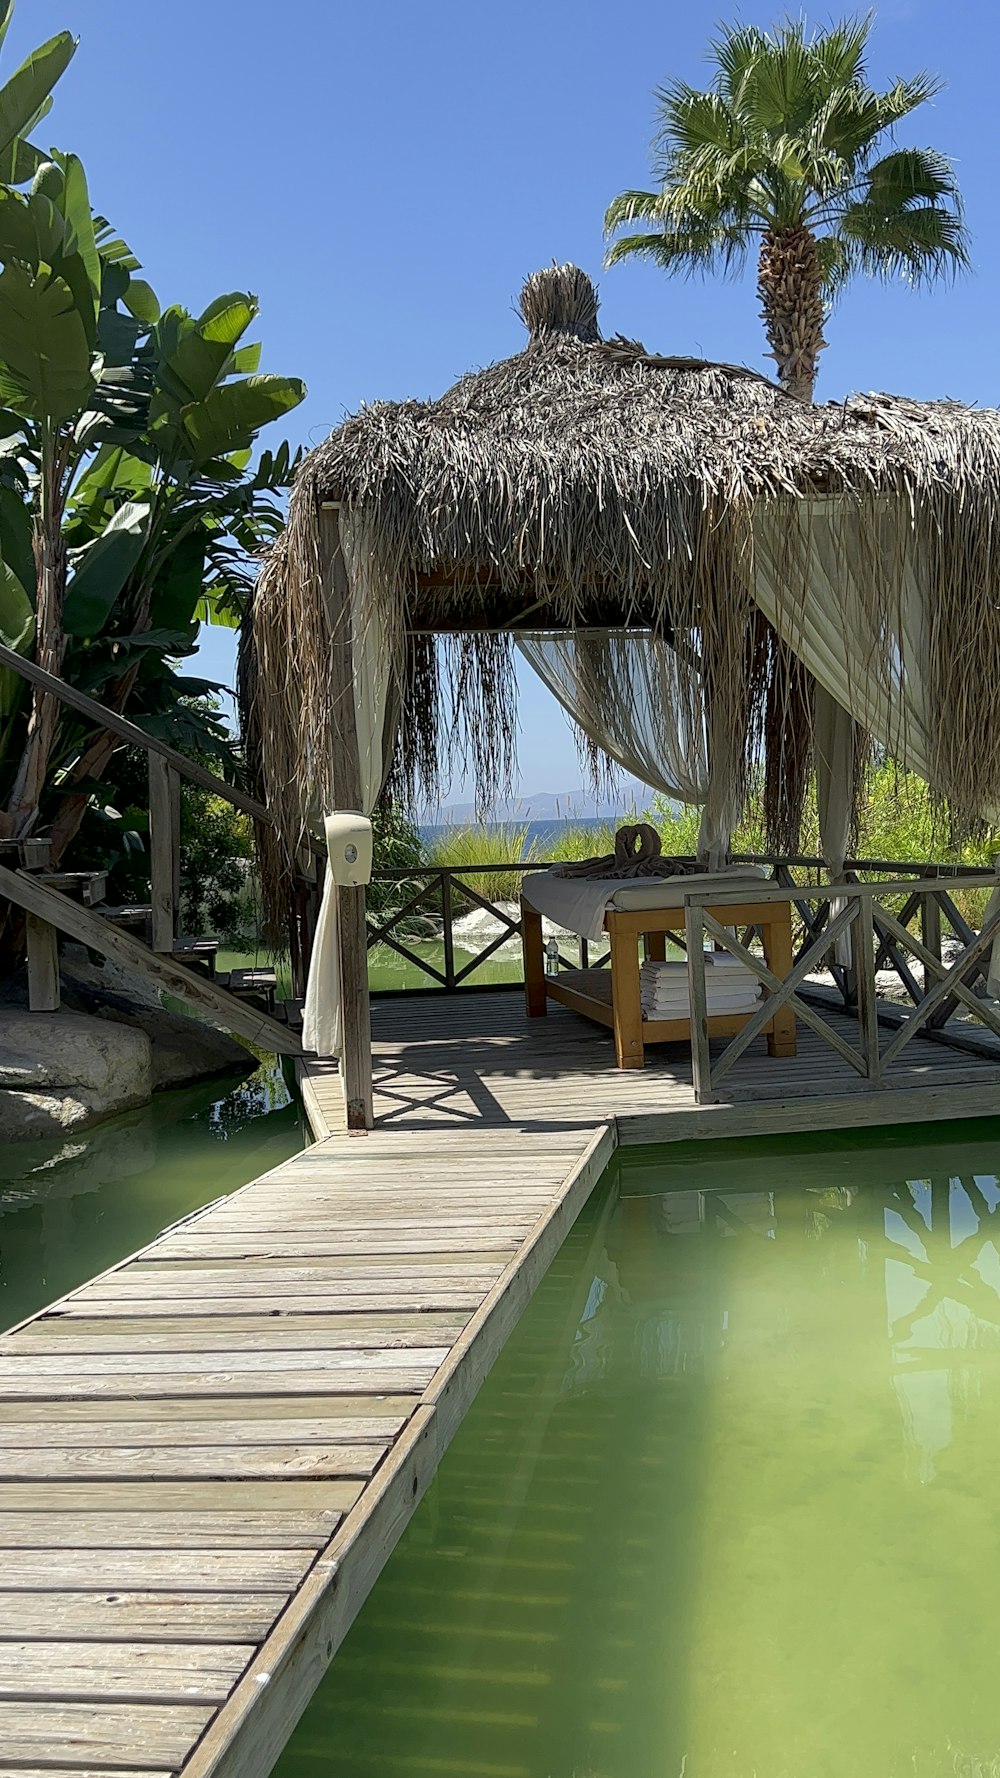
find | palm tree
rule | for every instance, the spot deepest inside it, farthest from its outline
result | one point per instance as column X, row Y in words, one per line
column 780, row 153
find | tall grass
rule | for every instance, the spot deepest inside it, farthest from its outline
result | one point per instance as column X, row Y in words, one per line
column 898, row 823
column 460, row 847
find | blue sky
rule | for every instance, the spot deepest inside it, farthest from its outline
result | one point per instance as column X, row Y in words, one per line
column 384, row 175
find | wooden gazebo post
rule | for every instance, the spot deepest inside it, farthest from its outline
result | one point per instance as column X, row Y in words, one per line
column 345, row 775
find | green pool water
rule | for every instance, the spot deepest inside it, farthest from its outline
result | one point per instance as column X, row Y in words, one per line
column 728, row 1505
column 69, row 1209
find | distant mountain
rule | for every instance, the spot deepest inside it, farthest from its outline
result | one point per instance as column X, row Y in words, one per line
column 545, row 805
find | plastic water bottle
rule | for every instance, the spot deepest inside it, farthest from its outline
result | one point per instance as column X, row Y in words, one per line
column 552, row 957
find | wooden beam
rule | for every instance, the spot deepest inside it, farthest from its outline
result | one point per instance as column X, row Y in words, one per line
column 43, row 965
column 131, row 732
column 196, row 990
column 164, row 852
column 356, row 1056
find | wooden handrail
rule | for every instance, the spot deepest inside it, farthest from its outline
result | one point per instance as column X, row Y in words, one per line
column 131, row 732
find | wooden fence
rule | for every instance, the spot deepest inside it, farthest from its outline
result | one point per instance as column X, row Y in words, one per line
column 852, row 916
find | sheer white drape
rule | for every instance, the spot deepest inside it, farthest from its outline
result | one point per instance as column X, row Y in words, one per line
column 630, row 694
column 322, row 1024
column 815, row 566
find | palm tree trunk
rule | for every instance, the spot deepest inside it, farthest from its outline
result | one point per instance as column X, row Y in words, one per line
column 50, row 641
column 790, row 287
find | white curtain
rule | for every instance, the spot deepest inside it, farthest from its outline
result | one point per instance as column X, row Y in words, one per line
column 322, row 1024
column 632, row 696
column 816, row 565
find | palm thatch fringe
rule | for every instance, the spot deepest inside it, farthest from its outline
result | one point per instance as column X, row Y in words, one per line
column 585, row 474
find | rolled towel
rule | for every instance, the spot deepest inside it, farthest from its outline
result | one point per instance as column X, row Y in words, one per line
column 638, row 853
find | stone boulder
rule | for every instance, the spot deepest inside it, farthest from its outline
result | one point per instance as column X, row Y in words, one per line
column 62, row 1071
column 184, row 1049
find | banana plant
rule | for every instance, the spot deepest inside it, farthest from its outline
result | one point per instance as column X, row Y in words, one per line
column 131, row 430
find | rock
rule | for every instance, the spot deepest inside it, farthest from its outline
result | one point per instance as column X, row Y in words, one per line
column 61, row 1071
column 183, row 1049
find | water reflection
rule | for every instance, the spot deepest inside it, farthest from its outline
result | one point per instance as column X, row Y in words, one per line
column 69, row 1209
column 726, row 1506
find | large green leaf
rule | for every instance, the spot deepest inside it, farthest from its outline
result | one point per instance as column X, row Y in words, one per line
column 180, row 582
column 197, row 353
column 104, row 568
column 140, row 300
column 16, row 536
column 27, row 89
column 17, row 631
column 113, row 471
column 219, row 610
column 17, row 613
column 227, row 318
column 232, row 415
column 45, row 364
column 79, row 218
column 6, row 14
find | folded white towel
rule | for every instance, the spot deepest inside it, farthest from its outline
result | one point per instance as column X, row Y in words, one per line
column 675, row 1008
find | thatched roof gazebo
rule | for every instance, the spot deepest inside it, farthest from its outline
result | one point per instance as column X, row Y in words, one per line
column 587, row 489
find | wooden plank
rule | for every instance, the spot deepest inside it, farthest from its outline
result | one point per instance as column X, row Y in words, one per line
column 28, row 1366
column 701, row 1056
column 342, row 1433
column 242, row 1300
column 317, row 1458
column 43, row 965
column 120, row 1734
column 179, row 1497
column 175, row 1570
column 469, row 1238
column 156, row 1673
column 328, row 1408
column 128, row 1616
column 238, row 1333
column 195, row 990
column 152, row 1530
column 164, row 845
column 73, row 1772
column 220, row 1385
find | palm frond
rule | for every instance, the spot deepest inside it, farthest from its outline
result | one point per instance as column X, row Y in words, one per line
column 839, row 52
column 690, row 251
column 632, row 206
column 919, row 244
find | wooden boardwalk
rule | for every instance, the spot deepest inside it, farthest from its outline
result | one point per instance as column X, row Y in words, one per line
column 207, row 1453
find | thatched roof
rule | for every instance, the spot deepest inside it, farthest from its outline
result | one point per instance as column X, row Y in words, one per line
column 587, row 481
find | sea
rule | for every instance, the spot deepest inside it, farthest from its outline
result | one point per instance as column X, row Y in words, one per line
column 539, row 834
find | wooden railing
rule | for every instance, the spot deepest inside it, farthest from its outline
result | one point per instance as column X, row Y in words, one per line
column 852, row 913
column 167, row 767
column 442, row 894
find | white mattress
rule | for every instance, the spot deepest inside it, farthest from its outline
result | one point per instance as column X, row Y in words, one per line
column 578, row 904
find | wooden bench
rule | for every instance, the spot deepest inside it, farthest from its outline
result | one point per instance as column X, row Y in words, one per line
column 613, row 998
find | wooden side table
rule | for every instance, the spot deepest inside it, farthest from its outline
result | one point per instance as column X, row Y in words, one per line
column 612, row 997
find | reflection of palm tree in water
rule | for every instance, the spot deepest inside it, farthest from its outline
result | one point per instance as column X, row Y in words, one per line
column 942, row 1286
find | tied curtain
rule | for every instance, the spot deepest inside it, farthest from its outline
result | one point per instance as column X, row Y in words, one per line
column 376, row 716
column 631, row 696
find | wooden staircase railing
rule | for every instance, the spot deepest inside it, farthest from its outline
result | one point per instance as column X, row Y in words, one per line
column 49, row 910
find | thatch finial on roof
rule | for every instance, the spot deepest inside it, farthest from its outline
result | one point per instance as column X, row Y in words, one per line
column 560, row 299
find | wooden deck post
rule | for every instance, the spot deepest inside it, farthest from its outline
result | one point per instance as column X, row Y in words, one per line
column 356, row 1057
column 43, row 965
column 164, row 850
